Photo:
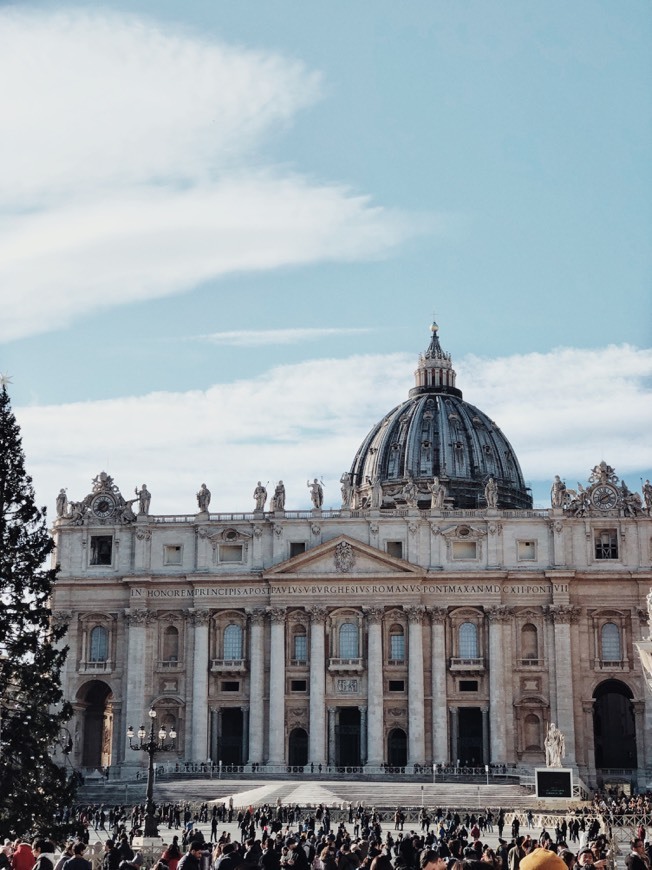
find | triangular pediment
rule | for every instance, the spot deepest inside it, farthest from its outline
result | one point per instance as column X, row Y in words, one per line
column 343, row 557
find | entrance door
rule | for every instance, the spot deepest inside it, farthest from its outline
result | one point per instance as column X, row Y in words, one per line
column 96, row 750
column 614, row 727
column 397, row 748
column 469, row 741
column 348, row 737
column 231, row 743
column 298, row 748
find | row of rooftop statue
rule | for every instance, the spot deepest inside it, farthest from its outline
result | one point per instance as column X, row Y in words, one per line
column 106, row 503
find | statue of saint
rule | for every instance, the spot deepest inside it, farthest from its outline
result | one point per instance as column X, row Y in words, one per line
column 346, row 489
column 410, row 492
column 203, row 498
column 62, row 503
column 260, row 496
column 557, row 491
column 316, row 493
column 555, row 746
column 144, row 498
column 376, row 494
column 647, row 496
column 491, row 493
column 277, row 502
column 438, row 494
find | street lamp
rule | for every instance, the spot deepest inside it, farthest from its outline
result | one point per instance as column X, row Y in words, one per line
column 155, row 743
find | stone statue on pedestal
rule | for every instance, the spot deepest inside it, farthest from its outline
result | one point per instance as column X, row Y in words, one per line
column 555, row 746
column 203, row 498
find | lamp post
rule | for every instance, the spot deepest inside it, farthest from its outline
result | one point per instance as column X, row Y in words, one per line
column 151, row 745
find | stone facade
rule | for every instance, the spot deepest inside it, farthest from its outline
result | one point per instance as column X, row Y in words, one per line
column 395, row 635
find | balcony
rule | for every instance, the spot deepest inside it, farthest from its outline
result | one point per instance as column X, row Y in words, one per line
column 96, row 667
column 228, row 666
column 345, row 666
column 298, row 663
column 612, row 664
column 530, row 663
column 169, row 665
column 475, row 665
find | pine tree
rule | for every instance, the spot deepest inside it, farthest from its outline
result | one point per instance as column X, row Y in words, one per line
column 33, row 786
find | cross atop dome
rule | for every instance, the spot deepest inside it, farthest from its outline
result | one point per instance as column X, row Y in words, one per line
column 435, row 372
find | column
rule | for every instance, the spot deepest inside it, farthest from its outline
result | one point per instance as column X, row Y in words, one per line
column 136, row 706
column 496, row 616
column 416, row 737
column 317, row 731
column 486, row 754
column 256, row 685
column 639, row 731
column 363, row 735
column 439, row 700
column 331, row 735
column 454, row 735
column 200, row 620
column 245, row 732
column 563, row 615
column 277, row 687
column 375, row 694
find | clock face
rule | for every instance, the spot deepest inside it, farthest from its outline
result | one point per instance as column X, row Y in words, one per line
column 604, row 497
column 103, row 506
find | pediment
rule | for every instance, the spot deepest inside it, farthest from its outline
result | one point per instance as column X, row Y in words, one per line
column 343, row 557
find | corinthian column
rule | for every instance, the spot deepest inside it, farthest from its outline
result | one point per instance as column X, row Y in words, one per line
column 562, row 616
column 200, row 620
column 277, row 687
column 439, row 700
column 416, row 736
column 374, row 686
column 317, row 734
column 136, row 706
column 497, row 713
column 256, row 678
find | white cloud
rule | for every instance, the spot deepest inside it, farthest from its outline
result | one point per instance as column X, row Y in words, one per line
column 563, row 412
column 258, row 338
column 130, row 168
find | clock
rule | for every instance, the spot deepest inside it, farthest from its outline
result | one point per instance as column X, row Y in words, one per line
column 604, row 497
column 103, row 505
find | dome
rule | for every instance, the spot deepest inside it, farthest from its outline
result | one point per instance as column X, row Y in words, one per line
column 436, row 434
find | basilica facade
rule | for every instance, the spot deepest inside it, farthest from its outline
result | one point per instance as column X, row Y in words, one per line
column 435, row 618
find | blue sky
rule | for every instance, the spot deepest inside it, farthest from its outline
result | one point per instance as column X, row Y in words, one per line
column 226, row 227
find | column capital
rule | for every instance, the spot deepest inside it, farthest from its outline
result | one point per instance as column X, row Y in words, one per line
column 317, row 614
column 438, row 615
column 374, row 614
column 414, row 613
column 499, row 613
column 199, row 617
column 277, row 614
column 256, row 615
column 362, row 709
column 563, row 614
column 139, row 617
column 64, row 617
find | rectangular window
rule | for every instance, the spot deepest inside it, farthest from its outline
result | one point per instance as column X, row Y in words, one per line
column 468, row 685
column 230, row 553
column 395, row 548
column 397, row 647
column 606, row 544
column 397, row 685
column 230, row 686
column 172, row 555
column 298, row 686
column 527, row 551
column 296, row 548
column 300, row 648
column 101, row 549
column 465, row 550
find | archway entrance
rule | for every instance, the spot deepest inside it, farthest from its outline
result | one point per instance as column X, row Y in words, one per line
column 97, row 724
column 231, row 742
column 348, row 737
column 397, row 748
column 469, row 741
column 614, row 728
column 298, row 748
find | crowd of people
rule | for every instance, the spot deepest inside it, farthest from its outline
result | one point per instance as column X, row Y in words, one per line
column 285, row 837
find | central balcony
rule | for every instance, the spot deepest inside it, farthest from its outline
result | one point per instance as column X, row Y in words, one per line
column 228, row 666
column 345, row 666
column 475, row 665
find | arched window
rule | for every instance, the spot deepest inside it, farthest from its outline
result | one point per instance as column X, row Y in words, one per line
column 300, row 645
column 397, row 643
column 532, row 732
column 349, row 641
column 468, row 640
column 99, row 644
column 233, row 642
column 529, row 642
column 171, row 644
column 611, row 643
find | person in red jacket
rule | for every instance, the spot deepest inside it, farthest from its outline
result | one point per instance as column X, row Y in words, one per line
column 23, row 858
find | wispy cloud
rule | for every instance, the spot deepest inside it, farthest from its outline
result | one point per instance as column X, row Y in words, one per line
column 298, row 421
column 133, row 168
column 257, row 338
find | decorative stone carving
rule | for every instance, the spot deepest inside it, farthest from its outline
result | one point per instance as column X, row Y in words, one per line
column 315, row 528
column 258, row 531
column 317, row 614
column 374, row 614
column 438, row 615
column 373, row 529
column 344, row 557
column 200, row 617
column 412, row 528
column 171, row 616
column 144, row 534
column 277, row 614
column 414, row 612
column 61, row 617
column 256, row 615
column 495, row 528
column 278, row 530
column 499, row 613
column 139, row 617
column 104, row 504
column 434, row 528
column 563, row 614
